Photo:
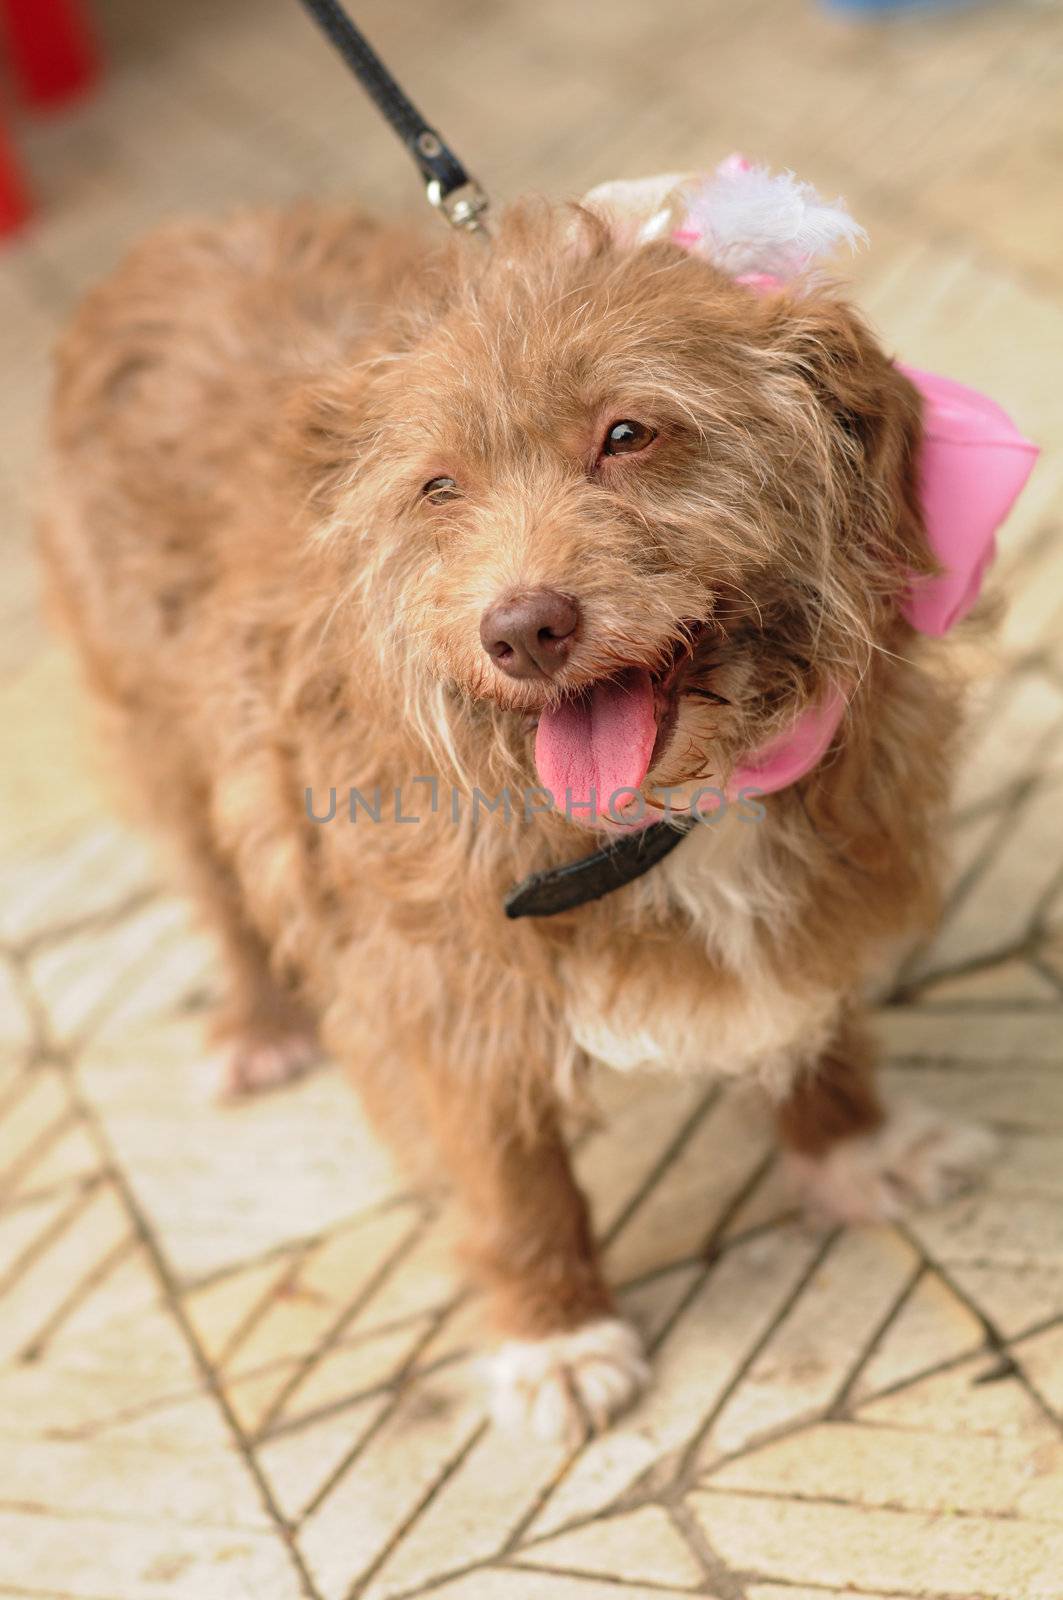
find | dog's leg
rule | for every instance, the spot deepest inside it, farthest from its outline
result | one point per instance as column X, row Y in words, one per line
column 852, row 1158
column 567, row 1363
column 267, row 1036
column 264, row 1033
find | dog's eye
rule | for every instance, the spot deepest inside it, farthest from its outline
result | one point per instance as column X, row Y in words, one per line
column 437, row 490
column 626, row 437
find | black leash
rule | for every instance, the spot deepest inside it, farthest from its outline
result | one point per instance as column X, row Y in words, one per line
column 461, row 200
column 447, row 184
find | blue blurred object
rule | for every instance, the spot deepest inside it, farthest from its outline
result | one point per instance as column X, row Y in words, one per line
column 882, row 7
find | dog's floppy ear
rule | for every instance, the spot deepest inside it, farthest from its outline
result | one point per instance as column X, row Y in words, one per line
column 323, row 434
column 871, row 416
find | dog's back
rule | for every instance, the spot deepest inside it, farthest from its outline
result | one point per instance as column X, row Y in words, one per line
column 170, row 386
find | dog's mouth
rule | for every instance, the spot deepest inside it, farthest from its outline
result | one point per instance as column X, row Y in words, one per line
column 594, row 748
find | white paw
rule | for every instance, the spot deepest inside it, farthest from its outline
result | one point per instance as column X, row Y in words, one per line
column 919, row 1157
column 251, row 1065
column 569, row 1384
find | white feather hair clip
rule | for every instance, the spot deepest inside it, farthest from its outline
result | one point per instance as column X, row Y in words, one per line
column 748, row 221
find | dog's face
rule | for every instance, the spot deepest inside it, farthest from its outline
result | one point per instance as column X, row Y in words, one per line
column 614, row 492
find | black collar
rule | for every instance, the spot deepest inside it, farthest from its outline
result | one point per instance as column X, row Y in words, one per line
column 544, row 894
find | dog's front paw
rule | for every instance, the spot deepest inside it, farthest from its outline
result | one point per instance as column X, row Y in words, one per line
column 919, row 1157
column 569, row 1384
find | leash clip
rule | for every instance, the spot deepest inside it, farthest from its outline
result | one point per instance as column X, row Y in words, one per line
column 462, row 207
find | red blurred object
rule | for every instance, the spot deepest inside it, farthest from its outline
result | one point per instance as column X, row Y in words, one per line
column 14, row 201
column 54, row 59
column 51, row 48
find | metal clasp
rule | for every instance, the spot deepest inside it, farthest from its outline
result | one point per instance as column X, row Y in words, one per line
column 463, row 207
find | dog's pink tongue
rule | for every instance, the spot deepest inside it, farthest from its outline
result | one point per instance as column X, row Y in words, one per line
column 596, row 745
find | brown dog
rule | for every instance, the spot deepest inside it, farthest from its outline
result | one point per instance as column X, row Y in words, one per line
column 337, row 509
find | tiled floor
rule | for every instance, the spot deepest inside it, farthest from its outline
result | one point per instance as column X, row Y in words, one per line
column 234, row 1353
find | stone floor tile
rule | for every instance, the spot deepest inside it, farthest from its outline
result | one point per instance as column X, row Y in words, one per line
column 46, row 1285
column 899, row 1552
column 1015, row 1296
column 253, row 1397
column 96, row 873
column 653, row 1304
column 905, row 1470
column 131, row 1479
column 973, row 1397
column 197, row 1168
column 16, row 1026
column 971, row 841
column 678, row 1216
column 1041, row 1359
column 298, row 1466
column 641, row 1547
column 286, row 1348
column 698, row 1361
column 20, row 625
column 141, row 1560
column 807, row 1361
column 462, row 1328
column 1011, row 983
column 220, row 1309
column 1031, row 622
column 105, row 982
column 1009, row 1037
column 772, row 1201
column 402, row 1463
column 475, row 1512
column 933, row 1326
column 425, row 1276
column 787, row 1591
column 347, row 1370
column 116, row 1358
column 68, row 1159
column 32, row 1117
column 50, row 795
column 25, row 1227
column 358, row 1262
column 1012, row 1097
column 511, row 1584
column 1051, row 949
column 645, row 1115
column 1033, row 524
column 998, row 910
column 1016, row 739
column 1012, row 1225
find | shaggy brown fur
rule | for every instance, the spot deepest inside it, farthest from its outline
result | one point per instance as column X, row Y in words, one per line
column 265, row 602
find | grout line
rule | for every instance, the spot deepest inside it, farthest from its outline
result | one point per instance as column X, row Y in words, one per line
column 994, row 1338
column 721, row 1582
column 96, row 1276
column 839, row 1405
column 687, row 1456
column 48, row 1137
column 406, row 1370
column 450, row 1467
column 328, row 1342
column 254, row 1316
column 687, row 1129
column 610, row 1579
column 307, row 1241
column 44, row 1240
column 104, row 921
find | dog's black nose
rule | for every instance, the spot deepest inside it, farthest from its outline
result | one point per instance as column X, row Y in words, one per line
column 530, row 635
